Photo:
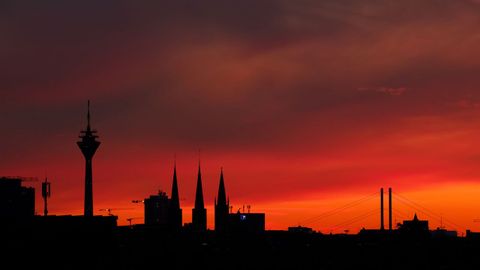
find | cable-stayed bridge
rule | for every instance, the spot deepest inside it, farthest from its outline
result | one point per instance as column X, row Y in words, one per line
column 366, row 211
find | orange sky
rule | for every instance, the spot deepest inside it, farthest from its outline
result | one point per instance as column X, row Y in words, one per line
column 308, row 105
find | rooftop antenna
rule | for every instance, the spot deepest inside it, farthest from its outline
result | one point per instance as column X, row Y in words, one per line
column 88, row 114
column 45, row 195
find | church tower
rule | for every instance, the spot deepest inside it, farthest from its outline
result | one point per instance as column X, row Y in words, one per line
column 221, row 207
column 199, row 213
column 174, row 210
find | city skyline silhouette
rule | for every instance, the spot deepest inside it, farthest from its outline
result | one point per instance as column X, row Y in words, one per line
column 256, row 134
column 126, row 211
column 176, row 220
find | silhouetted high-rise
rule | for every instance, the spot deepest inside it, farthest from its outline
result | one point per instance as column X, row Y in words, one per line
column 174, row 210
column 17, row 203
column 156, row 209
column 199, row 213
column 88, row 145
column 221, row 207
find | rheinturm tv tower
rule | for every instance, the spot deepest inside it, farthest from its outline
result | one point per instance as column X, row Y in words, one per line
column 88, row 144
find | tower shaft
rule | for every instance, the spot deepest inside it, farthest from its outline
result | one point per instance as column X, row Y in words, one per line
column 88, row 204
column 45, row 209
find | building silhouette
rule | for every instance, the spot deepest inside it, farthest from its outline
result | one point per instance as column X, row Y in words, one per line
column 221, row 207
column 156, row 209
column 414, row 228
column 88, row 145
column 199, row 213
column 443, row 233
column 300, row 229
column 17, row 203
column 162, row 211
column 234, row 222
column 246, row 222
column 174, row 210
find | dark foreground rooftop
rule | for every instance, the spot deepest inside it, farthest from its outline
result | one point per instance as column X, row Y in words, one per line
column 75, row 243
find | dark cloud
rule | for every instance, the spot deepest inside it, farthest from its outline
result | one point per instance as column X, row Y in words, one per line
column 230, row 62
column 386, row 90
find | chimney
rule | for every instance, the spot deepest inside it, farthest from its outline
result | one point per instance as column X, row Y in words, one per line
column 390, row 209
column 382, row 227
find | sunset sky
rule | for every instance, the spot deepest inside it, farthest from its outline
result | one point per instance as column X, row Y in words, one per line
column 308, row 104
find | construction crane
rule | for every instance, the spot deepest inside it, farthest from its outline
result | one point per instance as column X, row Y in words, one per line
column 109, row 210
column 130, row 220
column 22, row 178
column 29, row 179
column 138, row 201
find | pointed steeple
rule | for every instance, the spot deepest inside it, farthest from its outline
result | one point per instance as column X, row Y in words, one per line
column 221, row 207
column 174, row 210
column 199, row 204
column 199, row 213
column 415, row 218
column 222, row 197
column 175, row 200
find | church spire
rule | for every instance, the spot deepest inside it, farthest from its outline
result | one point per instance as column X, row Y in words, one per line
column 199, row 213
column 222, row 197
column 221, row 207
column 175, row 200
column 199, row 204
column 174, row 210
